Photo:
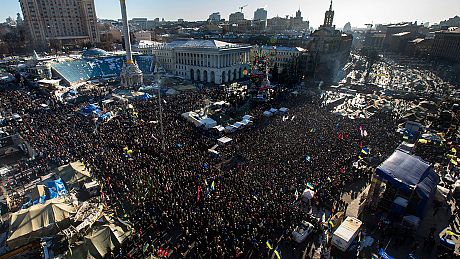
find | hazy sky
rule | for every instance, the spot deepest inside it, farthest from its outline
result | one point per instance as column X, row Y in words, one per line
column 358, row 12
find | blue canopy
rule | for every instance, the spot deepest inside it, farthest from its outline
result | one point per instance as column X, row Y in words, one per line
column 409, row 173
column 105, row 116
column 144, row 97
column 56, row 188
column 383, row 254
column 91, row 108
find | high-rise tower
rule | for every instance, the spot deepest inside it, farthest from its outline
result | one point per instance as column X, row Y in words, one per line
column 328, row 17
column 131, row 75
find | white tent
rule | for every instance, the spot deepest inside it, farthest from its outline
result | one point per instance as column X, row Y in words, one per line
column 38, row 221
column 268, row 114
column 307, row 195
column 224, row 140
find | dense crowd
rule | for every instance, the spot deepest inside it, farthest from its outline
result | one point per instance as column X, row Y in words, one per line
column 185, row 201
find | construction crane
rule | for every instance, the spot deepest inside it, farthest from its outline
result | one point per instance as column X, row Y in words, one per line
column 242, row 7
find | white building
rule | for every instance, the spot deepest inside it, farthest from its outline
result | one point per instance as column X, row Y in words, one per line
column 280, row 55
column 142, row 35
column 209, row 61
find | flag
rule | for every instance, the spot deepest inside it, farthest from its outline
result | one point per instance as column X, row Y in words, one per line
column 125, row 149
column 278, row 254
column 454, row 161
column 331, row 223
column 323, row 218
column 448, row 232
column 213, row 186
column 144, row 249
column 423, row 141
column 309, row 185
column 365, row 150
column 454, row 150
column 269, row 245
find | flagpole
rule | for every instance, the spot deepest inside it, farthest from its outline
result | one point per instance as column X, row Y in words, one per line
column 161, row 115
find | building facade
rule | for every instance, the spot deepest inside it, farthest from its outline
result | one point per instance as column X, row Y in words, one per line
column 260, row 15
column 69, row 22
column 208, row 61
column 446, row 45
column 235, row 18
column 281, row 56
column 214, row 18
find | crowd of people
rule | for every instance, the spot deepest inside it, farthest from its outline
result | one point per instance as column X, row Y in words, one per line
column 182, row 200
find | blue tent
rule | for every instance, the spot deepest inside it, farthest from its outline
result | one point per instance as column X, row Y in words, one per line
column 410, row 173
column 144, row 97
column 56, row 188
column 105, row 116
column 89, row 109
column 383, row 254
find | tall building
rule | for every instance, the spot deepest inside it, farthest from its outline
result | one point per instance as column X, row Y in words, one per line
column 329, row 17
column 214, row 17
column 260, row 15
column 69, row 22
column 235, row 17
column 131, row 75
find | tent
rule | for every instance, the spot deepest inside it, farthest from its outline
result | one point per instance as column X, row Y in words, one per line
column 102, row 239
column 73, row 174
column 56, row 188
column 307, row 195
column 89, row 109
column 409, row 174
column 37, row 192
column 38, row 221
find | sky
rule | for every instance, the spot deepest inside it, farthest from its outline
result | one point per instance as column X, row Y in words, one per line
column 357, row 12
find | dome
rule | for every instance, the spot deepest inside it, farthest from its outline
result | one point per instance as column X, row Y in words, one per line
column 94, row 52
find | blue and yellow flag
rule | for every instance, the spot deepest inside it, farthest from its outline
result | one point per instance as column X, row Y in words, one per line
column 269, row 245
column 278, row 254
column 213, row 185
column 309, row 185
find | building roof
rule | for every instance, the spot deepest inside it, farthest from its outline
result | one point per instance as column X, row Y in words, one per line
column 94, row 52
column 282, row 48
column 211, row 44
column 404, row 33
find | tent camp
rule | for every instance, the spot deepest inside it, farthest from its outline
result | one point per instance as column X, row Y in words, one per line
column 103, row 239
column 409, row 175
column 38, row 221
column 73, row 174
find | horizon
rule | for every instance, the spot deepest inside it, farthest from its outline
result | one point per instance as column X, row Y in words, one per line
column 357, row 12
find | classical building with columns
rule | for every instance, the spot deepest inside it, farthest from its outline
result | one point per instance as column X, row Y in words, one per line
column 209, row 61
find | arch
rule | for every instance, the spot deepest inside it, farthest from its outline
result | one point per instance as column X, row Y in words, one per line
column 223, row 77
column 198, row 75
column 205, row 76
column 213, row 77
column 229, row 76
column 235, row 75
column 192, row 74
